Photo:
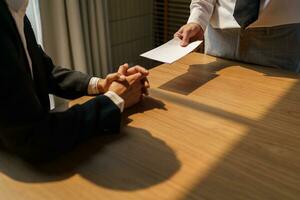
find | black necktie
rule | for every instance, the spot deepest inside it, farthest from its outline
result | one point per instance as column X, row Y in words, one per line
column 246, row 12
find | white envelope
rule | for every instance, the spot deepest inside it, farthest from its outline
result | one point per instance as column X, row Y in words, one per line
column 170, row 51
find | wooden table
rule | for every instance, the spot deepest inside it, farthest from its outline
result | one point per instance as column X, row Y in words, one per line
column 212, row 129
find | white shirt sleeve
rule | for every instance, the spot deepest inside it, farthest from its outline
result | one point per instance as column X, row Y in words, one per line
column 201, row 12
column 93, row 86
column 116, row 99
column 93, row 90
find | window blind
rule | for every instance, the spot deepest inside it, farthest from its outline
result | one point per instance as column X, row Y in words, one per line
column 169, row 16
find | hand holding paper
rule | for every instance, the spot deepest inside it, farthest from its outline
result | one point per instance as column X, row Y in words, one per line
column 171, row 51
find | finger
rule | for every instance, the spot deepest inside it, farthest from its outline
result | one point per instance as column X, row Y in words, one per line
column 178, row 35
column 181, row 30
column 113, row 77
column 146, row 86
column 146, row 83
column 134, row 78
column 123, row 69
column 185, row 39
column 137, row 69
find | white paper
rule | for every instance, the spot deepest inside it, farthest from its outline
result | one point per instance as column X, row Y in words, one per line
column 170, row 51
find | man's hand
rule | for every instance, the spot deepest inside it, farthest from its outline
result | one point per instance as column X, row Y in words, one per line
column 104, row 84
column 130, row 89
column 126, row 71
column 123, row 71
column 189, row 33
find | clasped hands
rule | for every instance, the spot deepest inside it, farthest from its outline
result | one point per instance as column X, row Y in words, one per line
column 131, row 84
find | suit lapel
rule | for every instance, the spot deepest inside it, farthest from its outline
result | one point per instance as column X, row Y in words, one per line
column 38, row 67
column 9, row 24
column 39, row 84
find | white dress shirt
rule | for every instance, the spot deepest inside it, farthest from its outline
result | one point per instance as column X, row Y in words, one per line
column 18, row 10
column 219, row 13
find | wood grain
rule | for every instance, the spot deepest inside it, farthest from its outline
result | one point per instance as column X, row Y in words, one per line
column 212, row 129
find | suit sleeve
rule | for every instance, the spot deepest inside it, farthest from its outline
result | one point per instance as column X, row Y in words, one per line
column 64, row 82
column 33, row 132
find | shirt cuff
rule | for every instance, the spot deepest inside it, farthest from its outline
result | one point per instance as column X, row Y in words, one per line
column 116, row 99
column 93, row 86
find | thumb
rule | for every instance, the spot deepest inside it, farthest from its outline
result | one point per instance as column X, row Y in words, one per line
column 133, row 78
column 123, row 69
column 185, row 39
column 179, row 33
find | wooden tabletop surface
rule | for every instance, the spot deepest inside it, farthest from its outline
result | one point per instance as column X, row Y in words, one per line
column 212, row 129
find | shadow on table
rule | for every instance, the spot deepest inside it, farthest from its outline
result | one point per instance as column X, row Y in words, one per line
column 265, row 162
column 198, row 75
column 131, row 160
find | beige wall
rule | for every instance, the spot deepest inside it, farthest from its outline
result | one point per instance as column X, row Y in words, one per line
column 130, row 27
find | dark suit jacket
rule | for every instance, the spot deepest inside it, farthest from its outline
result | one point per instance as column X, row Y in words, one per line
column 27, row 126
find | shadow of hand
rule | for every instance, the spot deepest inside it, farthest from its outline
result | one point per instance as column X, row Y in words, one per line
column 196, row 76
